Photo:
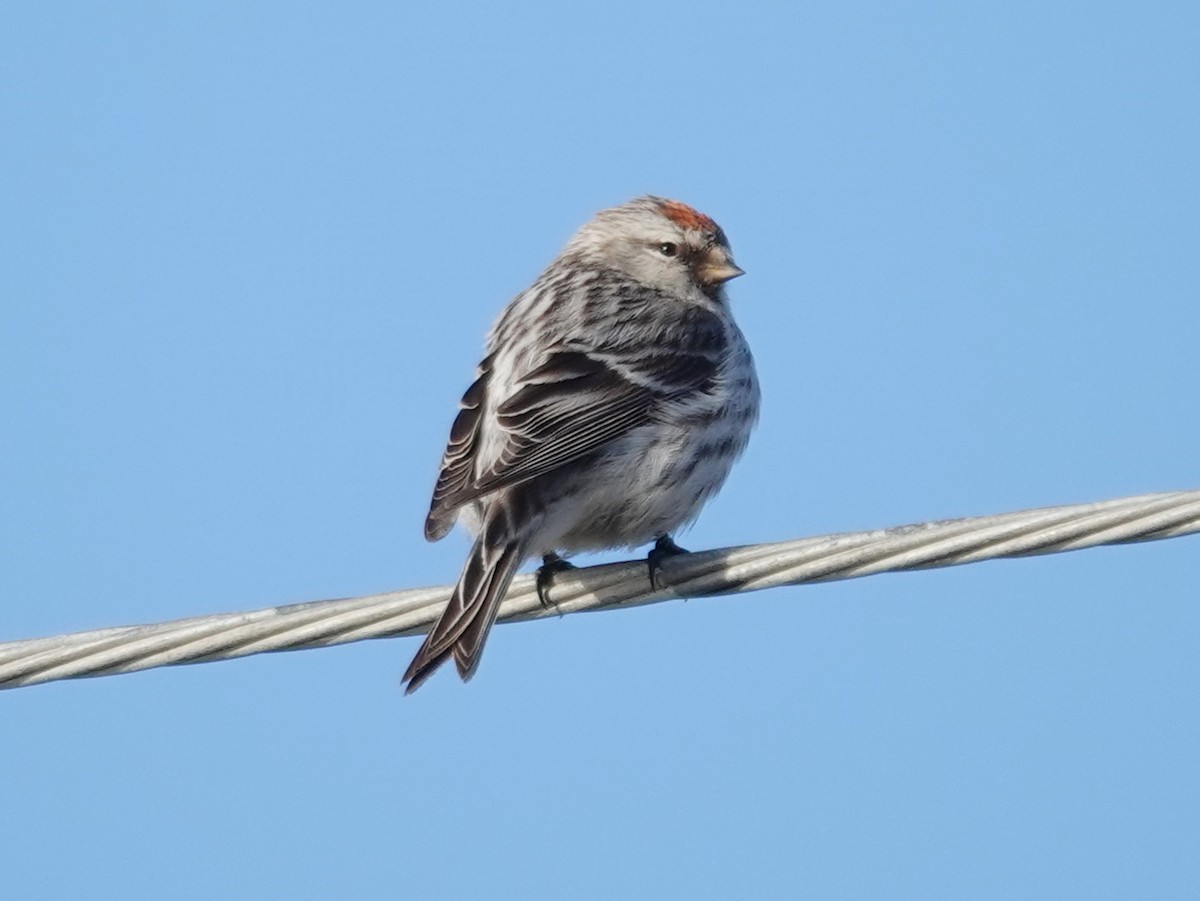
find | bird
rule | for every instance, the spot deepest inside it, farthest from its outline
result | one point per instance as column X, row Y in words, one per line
column 614, row 395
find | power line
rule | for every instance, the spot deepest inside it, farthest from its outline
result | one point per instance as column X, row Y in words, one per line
column 720, row 572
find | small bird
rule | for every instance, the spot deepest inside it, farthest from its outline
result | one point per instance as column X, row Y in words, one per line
column 615, row 394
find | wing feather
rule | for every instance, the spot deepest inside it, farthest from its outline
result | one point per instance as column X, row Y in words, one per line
column 575, row 404
column 577, row 401
column 458, row 462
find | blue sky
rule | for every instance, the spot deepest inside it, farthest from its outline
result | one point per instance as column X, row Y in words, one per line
column 251, row 251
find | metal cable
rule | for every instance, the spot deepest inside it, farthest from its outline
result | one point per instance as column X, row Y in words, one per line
column 726, row 571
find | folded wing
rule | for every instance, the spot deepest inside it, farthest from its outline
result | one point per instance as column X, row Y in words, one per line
column 572, row 405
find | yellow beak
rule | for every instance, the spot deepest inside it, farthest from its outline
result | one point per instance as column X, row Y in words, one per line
column 717, row 268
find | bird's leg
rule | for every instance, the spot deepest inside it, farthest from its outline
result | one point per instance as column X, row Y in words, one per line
column 664, row 547
column 551, row 565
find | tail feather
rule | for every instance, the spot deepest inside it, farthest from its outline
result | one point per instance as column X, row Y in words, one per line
column 468, row 650
column 463, row 627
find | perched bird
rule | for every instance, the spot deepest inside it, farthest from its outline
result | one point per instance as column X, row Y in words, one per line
column 615, row 395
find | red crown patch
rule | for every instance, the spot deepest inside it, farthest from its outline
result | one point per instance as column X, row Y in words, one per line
column 685, row 217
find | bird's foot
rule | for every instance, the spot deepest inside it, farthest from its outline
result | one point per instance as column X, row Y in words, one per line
column 552, row 564
column 663, row 548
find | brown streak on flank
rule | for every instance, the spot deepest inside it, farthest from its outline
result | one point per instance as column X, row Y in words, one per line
column 686, row 217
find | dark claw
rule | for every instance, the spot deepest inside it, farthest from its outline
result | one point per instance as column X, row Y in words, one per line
column 551, row 565
column 663, row 548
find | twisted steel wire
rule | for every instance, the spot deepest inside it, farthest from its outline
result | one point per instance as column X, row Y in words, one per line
column 726, row 571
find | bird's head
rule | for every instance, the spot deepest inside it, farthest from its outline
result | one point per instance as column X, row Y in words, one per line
column 664, row 244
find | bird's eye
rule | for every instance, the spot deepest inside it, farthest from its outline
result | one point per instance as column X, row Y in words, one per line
column 667, row 249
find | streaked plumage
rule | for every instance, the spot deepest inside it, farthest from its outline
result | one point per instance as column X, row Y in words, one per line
column 614, row 397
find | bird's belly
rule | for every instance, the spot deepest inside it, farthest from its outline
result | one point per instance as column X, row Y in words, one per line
column 654, row 481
